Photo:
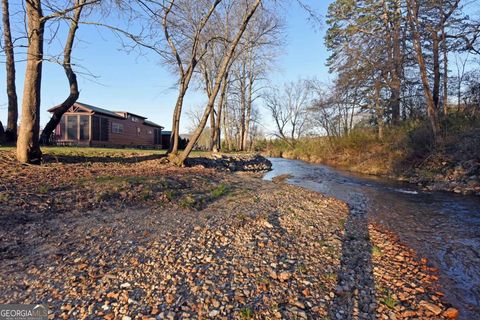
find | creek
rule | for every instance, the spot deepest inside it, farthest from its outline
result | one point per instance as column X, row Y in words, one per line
column 443, row 227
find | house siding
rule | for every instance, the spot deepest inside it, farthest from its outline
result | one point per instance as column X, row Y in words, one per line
column 130, row 135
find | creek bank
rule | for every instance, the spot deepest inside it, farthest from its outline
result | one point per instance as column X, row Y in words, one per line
column 461, row 177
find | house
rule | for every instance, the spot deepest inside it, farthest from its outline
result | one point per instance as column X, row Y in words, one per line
column 87, row 125
column 167, row 135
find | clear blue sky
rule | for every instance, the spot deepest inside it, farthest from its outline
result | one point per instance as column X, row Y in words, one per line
column 142, row 85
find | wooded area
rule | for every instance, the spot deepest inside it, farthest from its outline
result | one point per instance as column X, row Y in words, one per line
column 393, row 61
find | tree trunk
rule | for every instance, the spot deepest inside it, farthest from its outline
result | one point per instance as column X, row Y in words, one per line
column 445, row 72
column 218, row 129
column 436, row 69
column 11, row 132
column 226, row 134
column 431, row 107
column 71, row 76
column 249, row 111
column 396, row 84
column 213, row 130
column 243, row 105
column 2, row 134
column 379, row 110
column 227, row 58
column 173, row 148
column 28, row 148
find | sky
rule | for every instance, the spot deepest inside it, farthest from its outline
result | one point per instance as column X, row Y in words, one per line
column 142, row 85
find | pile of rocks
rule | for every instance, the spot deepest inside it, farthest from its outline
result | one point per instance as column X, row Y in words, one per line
column 232, row 163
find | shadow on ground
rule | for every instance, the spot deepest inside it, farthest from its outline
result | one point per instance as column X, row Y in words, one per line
column 355, row 291
column 73, row 159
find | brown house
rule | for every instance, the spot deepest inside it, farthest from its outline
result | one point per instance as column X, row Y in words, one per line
column 86, row 125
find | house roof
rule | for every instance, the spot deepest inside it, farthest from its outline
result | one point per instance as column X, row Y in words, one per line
column 100, row 110
column 132, row 114
column 116, row 114
column 152, row 124
column 94, row 109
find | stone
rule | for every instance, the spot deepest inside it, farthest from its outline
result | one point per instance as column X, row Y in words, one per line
column 451, row 313
column 169, row 298
column 436, row 310
column 284, row 276
column 267, row 224
column 213, row 313
column 215, row 303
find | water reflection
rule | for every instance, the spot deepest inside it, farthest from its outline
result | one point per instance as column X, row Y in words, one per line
column 443, row 227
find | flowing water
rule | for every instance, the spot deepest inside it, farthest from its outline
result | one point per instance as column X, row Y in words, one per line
column 443, row 227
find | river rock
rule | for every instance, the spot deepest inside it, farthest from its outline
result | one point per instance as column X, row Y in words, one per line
column 436, row 310
column 451, row 313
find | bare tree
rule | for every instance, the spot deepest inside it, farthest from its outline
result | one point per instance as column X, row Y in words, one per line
column 226, row 60
column 69, row 72
column 11, row 132
column 185, row 43
column 28, row 146
column 289, row 110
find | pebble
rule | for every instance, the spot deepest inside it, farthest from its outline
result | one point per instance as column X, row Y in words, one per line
column 451, row 313
column 436, row 310
column 277, row 250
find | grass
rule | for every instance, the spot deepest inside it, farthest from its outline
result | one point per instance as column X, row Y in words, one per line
column 242, row 217
column 389, row 301
column 220, row 190
column 246, row 313
column 301, row 268
column 101, row 152
column 376, row 251
column 119, row 180
column 170, row 195
column 4, row 197
column 43, row 189
column 188, row 201
column 330, row 276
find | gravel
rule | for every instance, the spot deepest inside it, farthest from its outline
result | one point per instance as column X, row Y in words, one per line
column 203, row 244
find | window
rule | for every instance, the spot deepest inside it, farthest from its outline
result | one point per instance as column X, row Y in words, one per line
column 134, row 119
column 117, row 127
column 84, row 127
column 139, row 130
column 72, row 127
column 150, row 131
column 60, row 130
column 100, row 128
column 157, row 139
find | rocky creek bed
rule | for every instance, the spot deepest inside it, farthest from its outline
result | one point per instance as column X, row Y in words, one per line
column 135, row 239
